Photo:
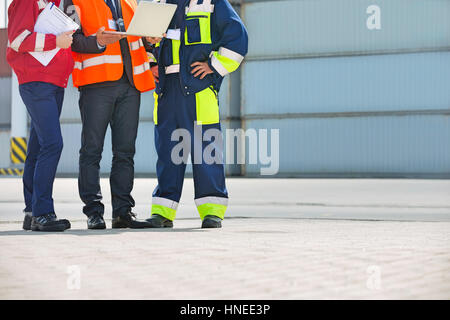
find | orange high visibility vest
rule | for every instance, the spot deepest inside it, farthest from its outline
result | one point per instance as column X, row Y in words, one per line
column 108, row 66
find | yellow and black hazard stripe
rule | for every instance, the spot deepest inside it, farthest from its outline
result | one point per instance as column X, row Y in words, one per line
column 11, row 172
column 18, row 150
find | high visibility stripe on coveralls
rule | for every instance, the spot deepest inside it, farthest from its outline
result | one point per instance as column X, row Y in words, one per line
column 215, row 206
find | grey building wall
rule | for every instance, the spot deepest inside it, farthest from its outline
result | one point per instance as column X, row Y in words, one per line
column 5, row 103
column 349, row 101
column 5, row 119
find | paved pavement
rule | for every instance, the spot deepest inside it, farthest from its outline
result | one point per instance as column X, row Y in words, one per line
column 383, row 199
column 284, row 239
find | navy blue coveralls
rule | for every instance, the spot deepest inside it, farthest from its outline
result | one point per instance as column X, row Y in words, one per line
column 211, row 31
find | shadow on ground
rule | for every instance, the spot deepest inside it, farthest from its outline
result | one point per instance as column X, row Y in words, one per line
column 85, row 232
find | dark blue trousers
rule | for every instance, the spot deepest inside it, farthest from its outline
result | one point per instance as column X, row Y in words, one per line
column 43, row 102
column 116, row 106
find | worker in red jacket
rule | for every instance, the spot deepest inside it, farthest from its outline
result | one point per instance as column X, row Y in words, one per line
column 42, row 90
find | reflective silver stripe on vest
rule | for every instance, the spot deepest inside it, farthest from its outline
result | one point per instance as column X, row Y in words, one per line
column 40, row 42
column 227, row 53
column 213, row 200
column 206, row 6
column 175, row 68
column 136, row 45
column 15, row 45
column 165, row 202
column 141, row 68
column 96, row 61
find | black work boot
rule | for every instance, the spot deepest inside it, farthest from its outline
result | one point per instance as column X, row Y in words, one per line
column 211, row 222
column 49, row 222
column 27, row 221
column 96, row 222
column 158, row 221
column 128, row 220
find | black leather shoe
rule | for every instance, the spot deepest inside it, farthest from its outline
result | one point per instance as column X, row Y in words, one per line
column 96, row 222
column 212, row 222
column 27, row 221
column 49, row 222
column 129, row 220
column 158, row 221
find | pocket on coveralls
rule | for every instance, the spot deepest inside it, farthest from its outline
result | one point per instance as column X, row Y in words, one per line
column 207, row 107
column 198, row 28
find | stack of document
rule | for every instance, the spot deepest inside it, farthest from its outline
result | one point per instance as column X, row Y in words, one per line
column 52, row 20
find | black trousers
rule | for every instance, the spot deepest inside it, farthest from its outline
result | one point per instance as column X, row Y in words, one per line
column 117, row 106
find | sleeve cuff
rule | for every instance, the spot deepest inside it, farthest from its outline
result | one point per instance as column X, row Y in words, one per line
column 99, row 46
column 148, row 46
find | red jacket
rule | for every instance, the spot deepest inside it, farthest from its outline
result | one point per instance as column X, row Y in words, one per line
column 22, row 15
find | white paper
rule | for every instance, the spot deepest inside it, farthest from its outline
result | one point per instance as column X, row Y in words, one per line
column 52, row 20
column 173, row 34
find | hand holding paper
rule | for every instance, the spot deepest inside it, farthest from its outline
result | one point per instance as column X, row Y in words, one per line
column 64, row 40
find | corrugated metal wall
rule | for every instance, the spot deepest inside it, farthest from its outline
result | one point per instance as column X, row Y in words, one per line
column 350, row 101
column 5, row 97
column 5, row 69
column 5, row 121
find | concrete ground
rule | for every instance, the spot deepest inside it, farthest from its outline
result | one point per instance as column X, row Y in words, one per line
column 282, row 239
